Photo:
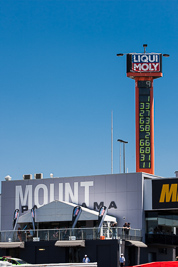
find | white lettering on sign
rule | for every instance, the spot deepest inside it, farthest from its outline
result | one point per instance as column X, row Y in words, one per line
column 60, row 191
column 145, row 58
column 145, row 67
column 71, row 195
column 25, row 199
column 86, row 185
column 42, row 195
column 44, row 189
column 146, row 62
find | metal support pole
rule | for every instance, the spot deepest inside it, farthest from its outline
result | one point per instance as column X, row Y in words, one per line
column 120, row 158
column 124, row 157
column 124, row 142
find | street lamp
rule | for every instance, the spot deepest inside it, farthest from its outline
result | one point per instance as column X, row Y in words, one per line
column 144, row 46
column 124, row 142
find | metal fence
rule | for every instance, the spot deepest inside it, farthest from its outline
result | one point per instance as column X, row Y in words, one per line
column 163, row 239
column 70, row 234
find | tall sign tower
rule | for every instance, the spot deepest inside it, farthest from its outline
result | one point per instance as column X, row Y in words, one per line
column 144, row 68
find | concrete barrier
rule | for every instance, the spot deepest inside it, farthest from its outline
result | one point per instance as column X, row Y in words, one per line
column 91, row 264
column 5, row 264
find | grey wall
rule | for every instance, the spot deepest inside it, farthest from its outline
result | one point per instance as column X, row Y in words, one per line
column 148, row 195
column 0, row 211
column 121, row 193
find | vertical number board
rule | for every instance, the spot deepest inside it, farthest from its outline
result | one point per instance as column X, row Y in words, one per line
column 144, row 125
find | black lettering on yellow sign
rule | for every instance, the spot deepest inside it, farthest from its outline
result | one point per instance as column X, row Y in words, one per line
column 168, row 193
column 165, row 193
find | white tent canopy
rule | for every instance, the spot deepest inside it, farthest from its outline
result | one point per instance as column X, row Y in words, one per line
column 12, row 245
column 58, row 211
column 70, row 243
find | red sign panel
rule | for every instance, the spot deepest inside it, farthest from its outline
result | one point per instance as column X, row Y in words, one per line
column 146, row 62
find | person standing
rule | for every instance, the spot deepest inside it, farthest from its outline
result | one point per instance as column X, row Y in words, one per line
column 86, row 259
column 126, row 228
column 19, row 234
column 114, row 230
column 122, row 260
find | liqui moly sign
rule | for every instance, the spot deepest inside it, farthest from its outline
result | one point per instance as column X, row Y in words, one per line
column 145, row 62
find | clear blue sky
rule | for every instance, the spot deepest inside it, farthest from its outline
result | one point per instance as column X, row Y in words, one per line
column 60, row 79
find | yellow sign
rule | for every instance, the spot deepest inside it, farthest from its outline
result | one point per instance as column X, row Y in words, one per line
column 168, row 193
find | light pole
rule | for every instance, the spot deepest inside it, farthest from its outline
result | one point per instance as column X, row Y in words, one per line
column 124, row 142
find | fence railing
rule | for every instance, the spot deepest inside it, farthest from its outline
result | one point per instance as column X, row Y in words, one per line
column 163, row 239
column 70, row 234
